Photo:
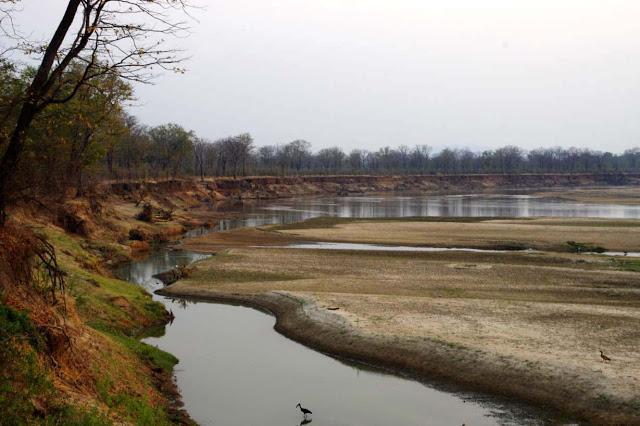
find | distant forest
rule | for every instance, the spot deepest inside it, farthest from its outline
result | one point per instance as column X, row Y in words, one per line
column 91, row 137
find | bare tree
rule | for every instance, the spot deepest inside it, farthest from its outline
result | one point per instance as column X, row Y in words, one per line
column 125, row 38
column 199, row 153
column 297, row 152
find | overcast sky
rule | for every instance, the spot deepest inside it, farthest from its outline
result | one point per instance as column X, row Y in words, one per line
column 371, row 73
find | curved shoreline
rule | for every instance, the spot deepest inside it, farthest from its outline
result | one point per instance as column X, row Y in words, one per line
column 427, row 361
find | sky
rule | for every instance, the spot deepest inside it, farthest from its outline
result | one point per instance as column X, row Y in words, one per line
column 365, row 74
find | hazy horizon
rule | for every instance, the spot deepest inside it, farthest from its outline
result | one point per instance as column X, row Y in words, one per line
column 368, row 73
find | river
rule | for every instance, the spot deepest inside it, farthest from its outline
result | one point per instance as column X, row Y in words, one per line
column 236, row 370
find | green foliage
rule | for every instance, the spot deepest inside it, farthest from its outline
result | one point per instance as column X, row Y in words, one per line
column 172, row 147
column 576, row 247
column 12, row 85
column 67, row 139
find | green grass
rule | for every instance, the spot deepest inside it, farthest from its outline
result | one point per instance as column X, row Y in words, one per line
column 119, row 310
column 115, row 308
column 136, row 408
column 148, row 353
column 632, row 265
column 95, row 293
column 73, row 416
column 22, row 378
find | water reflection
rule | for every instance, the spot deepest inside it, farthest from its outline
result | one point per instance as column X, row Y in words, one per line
column 141, row 272
column 298, row 209
column 231, row 359
column 449, row 206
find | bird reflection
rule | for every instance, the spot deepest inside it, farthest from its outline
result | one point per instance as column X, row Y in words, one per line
column 305, row 421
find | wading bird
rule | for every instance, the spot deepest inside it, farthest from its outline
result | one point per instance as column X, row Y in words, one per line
column 604, row 357
column 305, row 412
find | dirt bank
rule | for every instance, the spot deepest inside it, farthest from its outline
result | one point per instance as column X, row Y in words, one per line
column 220, row 189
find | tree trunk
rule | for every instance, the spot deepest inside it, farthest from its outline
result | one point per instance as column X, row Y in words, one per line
column 79, row 184
column 8, row 164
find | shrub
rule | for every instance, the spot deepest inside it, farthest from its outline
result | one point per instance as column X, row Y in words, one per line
column 576, row 247
column 136, row 235
column 146, row 215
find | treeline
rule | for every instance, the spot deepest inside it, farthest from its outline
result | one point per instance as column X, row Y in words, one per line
column 91, row 137
column 169, row 151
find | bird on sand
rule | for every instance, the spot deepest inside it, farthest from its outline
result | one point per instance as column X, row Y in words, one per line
column 305, row 412
column 604, row 357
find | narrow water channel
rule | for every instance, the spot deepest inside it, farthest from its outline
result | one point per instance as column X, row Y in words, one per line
column 380, row 247
column 236, row 370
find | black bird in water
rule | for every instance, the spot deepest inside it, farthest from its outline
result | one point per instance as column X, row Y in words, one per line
column 305, row 412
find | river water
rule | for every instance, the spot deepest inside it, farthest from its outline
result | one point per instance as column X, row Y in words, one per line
column 236, row 370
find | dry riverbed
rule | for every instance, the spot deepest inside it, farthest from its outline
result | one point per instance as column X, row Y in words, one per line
column 522, row 324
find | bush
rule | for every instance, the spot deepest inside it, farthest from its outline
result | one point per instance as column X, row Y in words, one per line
column 146, row 215
column 576, row 247
column 136, row 235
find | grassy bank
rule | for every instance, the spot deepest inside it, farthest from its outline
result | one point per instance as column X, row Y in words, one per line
column 523, row 324
column 79, row 360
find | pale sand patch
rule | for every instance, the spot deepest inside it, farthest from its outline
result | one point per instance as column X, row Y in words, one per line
column 535, row 233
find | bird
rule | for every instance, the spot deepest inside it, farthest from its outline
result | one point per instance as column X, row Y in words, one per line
column 604, row 357
column 305, row 412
